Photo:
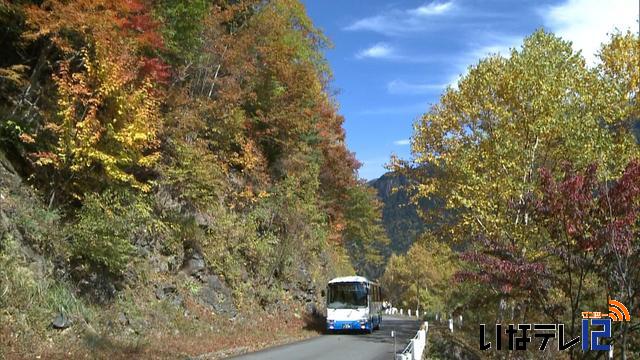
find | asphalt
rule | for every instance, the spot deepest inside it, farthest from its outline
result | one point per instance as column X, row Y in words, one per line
column 352, row 346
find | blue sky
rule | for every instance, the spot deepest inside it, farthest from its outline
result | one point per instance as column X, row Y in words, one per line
column 392, row 59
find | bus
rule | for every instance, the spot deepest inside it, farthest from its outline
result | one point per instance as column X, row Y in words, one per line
column 353, row 303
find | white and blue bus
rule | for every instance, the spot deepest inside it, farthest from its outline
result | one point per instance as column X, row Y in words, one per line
column 353, row 303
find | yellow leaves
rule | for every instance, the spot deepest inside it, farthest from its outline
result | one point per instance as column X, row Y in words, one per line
column 621, row 58
column 140, row 137
column 106, row 118
column 510, row 116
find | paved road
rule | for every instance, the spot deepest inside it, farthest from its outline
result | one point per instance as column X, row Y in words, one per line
column 376, row 346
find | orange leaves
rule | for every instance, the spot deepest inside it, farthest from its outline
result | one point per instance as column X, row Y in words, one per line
column 26, row 138
column 133, row 6
column 126, row 27
column 44, row 158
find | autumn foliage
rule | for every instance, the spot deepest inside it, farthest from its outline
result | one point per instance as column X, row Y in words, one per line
column 534, row 156
column 213, row 116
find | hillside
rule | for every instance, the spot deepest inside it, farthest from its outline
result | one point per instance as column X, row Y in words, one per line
column 399, row 217
column 172, row 172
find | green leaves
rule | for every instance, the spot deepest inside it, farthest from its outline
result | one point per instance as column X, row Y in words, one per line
column 105, row 228
column 183, row 25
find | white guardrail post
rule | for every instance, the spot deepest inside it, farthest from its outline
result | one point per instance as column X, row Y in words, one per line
column 416, row 346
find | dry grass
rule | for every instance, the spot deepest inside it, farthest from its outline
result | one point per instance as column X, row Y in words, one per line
column 170, row 335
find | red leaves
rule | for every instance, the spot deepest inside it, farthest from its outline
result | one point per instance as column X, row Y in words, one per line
column 137, row 20
column 579, row 212
column 622, row 196
column 503, row 269
column 145, row 29
column 155, row 69
column 139, row 24
column 568, row 206
column 589, row 212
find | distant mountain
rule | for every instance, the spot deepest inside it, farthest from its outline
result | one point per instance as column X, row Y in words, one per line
column 399, row 216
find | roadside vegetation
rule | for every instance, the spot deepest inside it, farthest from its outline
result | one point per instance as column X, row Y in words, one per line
column 170, row 169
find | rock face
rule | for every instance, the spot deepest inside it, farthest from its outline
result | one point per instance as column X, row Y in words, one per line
column 170, row 293
column 99, row 287
column 217, row 295
column 61, row 321
column 194, row 264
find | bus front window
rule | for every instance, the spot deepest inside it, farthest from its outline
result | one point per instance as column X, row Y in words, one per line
column 347, row 296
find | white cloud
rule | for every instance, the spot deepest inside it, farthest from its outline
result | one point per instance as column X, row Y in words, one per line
column 586, row 23
column 402, row 142
column 384, row 51
column 403, row 21
column 401, row 87
column 377, row 51
column 432, row 9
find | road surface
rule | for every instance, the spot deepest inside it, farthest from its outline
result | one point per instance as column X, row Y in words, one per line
column 378, row 345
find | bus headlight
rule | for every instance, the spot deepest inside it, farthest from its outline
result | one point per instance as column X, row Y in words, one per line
column 331, row 324
column 363, row 323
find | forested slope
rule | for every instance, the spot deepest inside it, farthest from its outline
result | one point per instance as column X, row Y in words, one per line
column 168, row 166
column 399, row 214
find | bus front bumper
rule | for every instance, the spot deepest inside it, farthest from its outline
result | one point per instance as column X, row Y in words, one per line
column 348, row 325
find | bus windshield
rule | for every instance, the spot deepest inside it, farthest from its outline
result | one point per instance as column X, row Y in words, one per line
column 347, row 295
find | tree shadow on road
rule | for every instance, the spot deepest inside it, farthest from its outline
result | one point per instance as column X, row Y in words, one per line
column 315, row 322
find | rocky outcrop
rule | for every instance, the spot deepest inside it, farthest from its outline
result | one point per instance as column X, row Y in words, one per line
column 169, row 292
column 15, row 198
column 217, row 295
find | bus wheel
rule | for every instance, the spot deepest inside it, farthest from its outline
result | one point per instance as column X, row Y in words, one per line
column 369, row 329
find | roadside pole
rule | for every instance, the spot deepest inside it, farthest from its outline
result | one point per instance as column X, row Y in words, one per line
column 393, row 335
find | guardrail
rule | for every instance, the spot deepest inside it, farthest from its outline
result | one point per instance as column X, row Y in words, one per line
column 396, row 311
column 416, row 346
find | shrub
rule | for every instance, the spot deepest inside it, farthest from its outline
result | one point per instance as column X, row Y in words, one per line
column 106, row 224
